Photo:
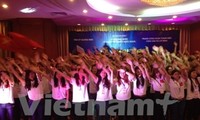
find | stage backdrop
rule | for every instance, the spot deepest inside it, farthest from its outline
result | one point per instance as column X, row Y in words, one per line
column 123, row 39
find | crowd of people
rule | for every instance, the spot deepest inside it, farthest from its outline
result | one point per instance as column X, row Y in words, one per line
column 30, row 88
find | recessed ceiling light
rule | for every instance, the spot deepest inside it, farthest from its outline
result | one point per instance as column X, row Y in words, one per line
column 4, row 6
column 174, row 17
column 126, row 24
column 110, row 17
column 102, row 24
column 85, row 11
column 28, row 10
column 139, row 19
column 71, row 0
column 149, row 23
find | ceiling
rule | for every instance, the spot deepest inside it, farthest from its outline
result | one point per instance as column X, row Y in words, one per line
column 70, row 12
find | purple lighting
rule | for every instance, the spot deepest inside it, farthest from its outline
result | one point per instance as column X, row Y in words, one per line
column 172, row 20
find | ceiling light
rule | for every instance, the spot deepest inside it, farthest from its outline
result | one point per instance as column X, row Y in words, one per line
column 5, row 6
column 28, row 10
column 78, row 24
column 162, row 3
column 139, row 19
column 71, row 0
column 85, row 11
column 174, row 17
column 173, row 23
column 102, row 24
column 126, row 24
column 110, row 17
column 149, row 23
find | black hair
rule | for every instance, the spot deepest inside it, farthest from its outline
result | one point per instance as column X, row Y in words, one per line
column 190, row 78
column 119, row 78
column 141, row 81
column 77, row 79
column 174, row 71
column 28, row 80
column 1, row 81
column 106, row 84
column 55, row 80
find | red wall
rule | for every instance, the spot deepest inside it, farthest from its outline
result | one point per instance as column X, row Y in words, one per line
column 195, row 37
column 42, row 31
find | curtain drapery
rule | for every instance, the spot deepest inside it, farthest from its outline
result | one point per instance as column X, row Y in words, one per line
column 4, row 29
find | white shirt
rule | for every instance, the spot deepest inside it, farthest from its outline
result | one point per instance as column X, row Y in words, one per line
column 104, row 94
column 36, row 93
column 79, row 92
column 6, row 95
column 141, row 91
column 177, row 88
column 158, row 84
column 59, row 92
column 123, row 91
column 195, row 94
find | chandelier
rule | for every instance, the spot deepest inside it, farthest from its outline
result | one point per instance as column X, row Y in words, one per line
column 162, row 3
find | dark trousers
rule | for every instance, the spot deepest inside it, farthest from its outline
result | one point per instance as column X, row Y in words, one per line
column 38, row 113
column 80, row 112
column 102, row 115
column 158, row 109
column 7, row 111
column 144, row 116
column 177, row 110
column 125, row 115
column 193, row 109
column 18, row 111
column 60, row 113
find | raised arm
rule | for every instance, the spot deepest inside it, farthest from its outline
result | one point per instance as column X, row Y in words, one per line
column 22, row 81
column 61, row 73
column 94, row 77
column 109, row 72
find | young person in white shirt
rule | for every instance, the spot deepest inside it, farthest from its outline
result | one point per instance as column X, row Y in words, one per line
column 123, row 84
column 32, row 82
column 80, row 97
column 158, row 83
column 193, row 95
column 104, row 81
column 6, row 99
column 177, row 87
column 60, row 93
column 140, row 83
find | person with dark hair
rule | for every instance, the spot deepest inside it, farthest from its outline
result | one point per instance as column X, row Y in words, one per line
column 60, row 93
column 80, row 97
column 123, row 84
column 159, row 83
column 35, row 93
column 193, row 95
column 140, row 84
column 32, row 83
column 104, row 81
column 7, row 101
column 177, row 87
